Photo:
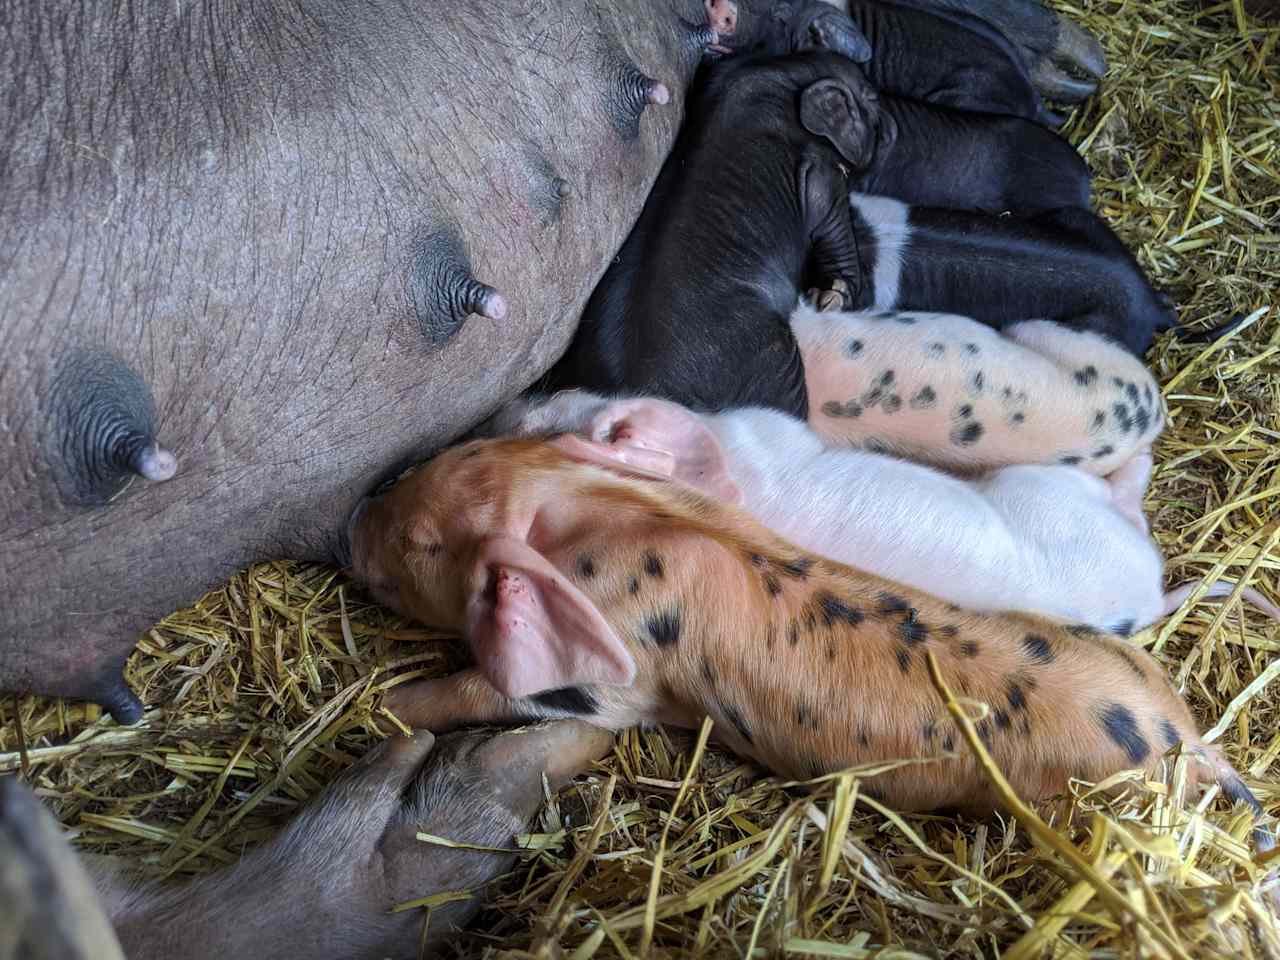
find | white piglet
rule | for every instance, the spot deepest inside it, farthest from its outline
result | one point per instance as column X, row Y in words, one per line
column 1049, row 540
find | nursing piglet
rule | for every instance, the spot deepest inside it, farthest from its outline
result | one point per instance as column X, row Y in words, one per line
column 585, row 591
column 325, row 887
column 947, row 390
column 1065, row 265
column 928, row 153
column 937, row 56
column 1037, row 539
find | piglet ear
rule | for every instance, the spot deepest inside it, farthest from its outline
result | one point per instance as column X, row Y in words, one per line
column 829, row 108
column 637, row 461
column 531, row 630
column 659, row 427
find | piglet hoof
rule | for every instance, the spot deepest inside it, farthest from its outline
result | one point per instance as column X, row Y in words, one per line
column 834, row 298
column 1078, row 48
column 1054, row 83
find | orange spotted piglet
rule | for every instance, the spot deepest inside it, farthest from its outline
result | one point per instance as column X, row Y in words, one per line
column 587, row 587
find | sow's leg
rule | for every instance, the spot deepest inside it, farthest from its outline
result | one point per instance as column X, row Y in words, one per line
column 325, row 886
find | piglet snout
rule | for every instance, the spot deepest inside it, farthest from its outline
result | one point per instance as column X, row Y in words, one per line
column 722, row 16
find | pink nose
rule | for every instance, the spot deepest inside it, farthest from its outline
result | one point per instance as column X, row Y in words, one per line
column 722, row 16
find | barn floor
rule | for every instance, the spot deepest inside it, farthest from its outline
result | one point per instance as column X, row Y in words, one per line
column 268, row 683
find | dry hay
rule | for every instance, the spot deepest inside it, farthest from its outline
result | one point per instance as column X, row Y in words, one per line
column 269, row 684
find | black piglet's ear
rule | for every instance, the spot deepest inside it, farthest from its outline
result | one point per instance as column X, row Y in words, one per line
column 829, row 109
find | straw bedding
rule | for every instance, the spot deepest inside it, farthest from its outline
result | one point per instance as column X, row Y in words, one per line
column 269, row 683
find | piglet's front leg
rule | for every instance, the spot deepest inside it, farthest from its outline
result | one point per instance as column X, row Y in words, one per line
column 950, row 391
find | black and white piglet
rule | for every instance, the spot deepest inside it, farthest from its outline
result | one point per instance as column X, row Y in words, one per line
column 1064, row 265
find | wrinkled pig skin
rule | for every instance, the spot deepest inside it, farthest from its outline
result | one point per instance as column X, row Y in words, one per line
column 323, row 887
column 261, row 231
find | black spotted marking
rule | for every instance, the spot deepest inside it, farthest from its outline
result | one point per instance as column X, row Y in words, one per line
column 1123, row 420
column 798, row 568
column 972, row 349
column 633, row 586
column 888, row 603
column 1142, row 419
column 965, row 411
column 1170, row 734
column 930, row 730
column 936, row 350
column 806, row 716
column 1124, row 628
column 842, row 411
column 1086, row 376
column 967, row 435
column 886, row 378
column 873, row 396
column 653, row 564
column 1122, row 727
column 925, row 398
column 1016, row 696
column 984, row 731
column 834, row 610
column 1026, row 725
column 976, row 382
column 863, row 739
column 734, row 716
column 757, row 560
column 772, row 584
column 793, row 633
column 912, row 630
column 875, row 445
column 1070, row 461
column 831, row 650
column 1038, row 648
column 1131, row 391
column 586, row 567
column 1118, row 383
column 708, row 672
column 892, row 403
column 1017, row 419
column 1099, row 420
column 1002, row 719
column 1147, row 394
column 970, row 648
column 853, row 348
column 949, row 743
column 905, row 319
column 664, row 627
column 950, row 631
column 1104, row 451
column 904, row 660
column 575, row 700
column 810, row 620
column 1083, row 630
